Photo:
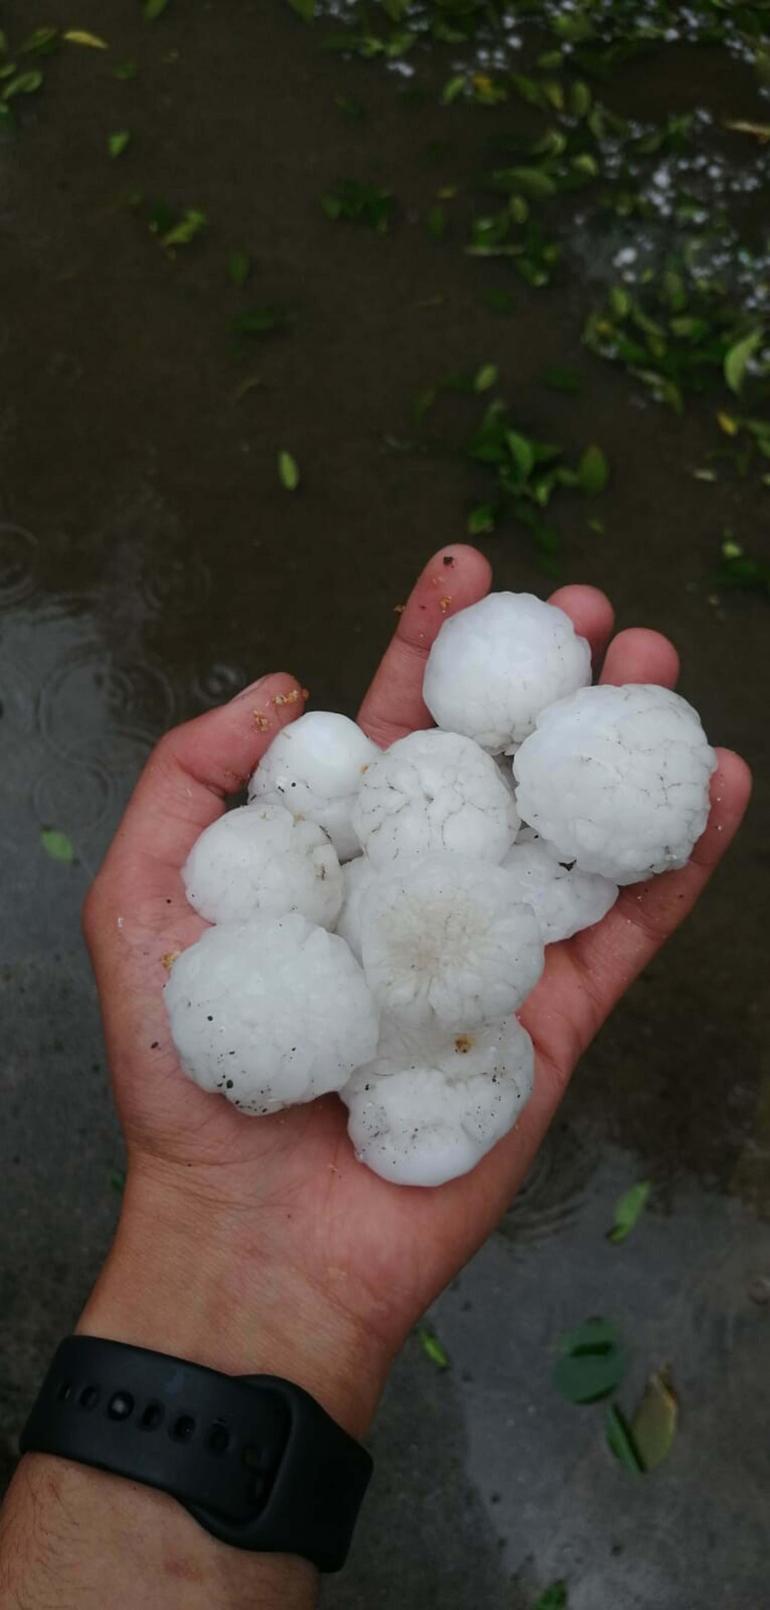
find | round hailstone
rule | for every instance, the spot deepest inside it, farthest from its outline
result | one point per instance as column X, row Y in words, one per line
column 617, row 779
column 259, row 858
column 314, row 767
column 270, row 1012
column 497, row 664
column 446, row 945
column 357, row 877
column 563, row 899
column 431, row 1112
column 434, row 791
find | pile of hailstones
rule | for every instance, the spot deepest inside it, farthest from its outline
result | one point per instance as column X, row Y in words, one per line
column 381, row 916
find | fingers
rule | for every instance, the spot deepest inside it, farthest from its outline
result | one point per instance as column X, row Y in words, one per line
column 455, row 577
column 588, row 975
column 641, row 655
column 591, row 614
column 188, row 776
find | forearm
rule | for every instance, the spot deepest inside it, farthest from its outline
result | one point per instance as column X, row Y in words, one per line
column 75, row 1537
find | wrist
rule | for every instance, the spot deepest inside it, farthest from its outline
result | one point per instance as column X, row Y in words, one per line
column 200, row 1280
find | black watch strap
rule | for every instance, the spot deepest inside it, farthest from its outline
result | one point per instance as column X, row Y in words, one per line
column 254, row 1458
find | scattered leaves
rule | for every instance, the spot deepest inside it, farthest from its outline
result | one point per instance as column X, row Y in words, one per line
column 43, row 42
column 628, row 1209
column 57, row 845
column 184, row 231
column 591, row 1363
column 554, row 1598
column 655, row 1422
column 432, row 1347
column 593, row 471
column 239, row 267
column 81, row 36
column 738, row 357
column 360, row 203
column 117, row 142
column 288, row 471
column 152, row 9
column 621, row 1441
column 304, row 9
column 22, row 84
column 485, row 377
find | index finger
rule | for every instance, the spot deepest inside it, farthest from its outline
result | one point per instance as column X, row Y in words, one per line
column 456, row 576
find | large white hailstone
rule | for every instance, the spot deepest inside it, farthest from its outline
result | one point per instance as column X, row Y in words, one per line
column 563, row 899
column 447, row 944
column 434, row 791
column 497, row 664
column 270, row 1012
column 314, row 767
column 617, row 779
column 357, row 876
column 425, row 1113
column 260, row 858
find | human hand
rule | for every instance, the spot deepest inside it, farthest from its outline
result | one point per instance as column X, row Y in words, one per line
column 262, row 1244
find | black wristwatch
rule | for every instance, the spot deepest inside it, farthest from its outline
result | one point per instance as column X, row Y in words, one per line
column 254, row 1458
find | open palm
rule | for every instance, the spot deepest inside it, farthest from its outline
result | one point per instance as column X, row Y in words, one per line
column 289, row 1185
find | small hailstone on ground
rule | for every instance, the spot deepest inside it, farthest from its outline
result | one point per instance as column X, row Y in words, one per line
column 357, row 876
column 270, row 1012
column 446, row 944
column 563, row 899
column 434, row 791
column 314, row 767
column 424, row 1113
column 617, row 779
column 497, row 664
column 260, row 858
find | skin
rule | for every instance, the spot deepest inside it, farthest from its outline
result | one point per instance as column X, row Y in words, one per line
column 263, row 1245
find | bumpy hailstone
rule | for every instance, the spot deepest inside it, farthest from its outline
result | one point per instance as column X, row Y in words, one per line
column 497, row 664
column 270, row 1012
column 260, row 858
column 617, row 779
column 314, row 767
column 423, row 1114
column 434, row 791
column 357, row 877
column 446, row 944
column 563, row 899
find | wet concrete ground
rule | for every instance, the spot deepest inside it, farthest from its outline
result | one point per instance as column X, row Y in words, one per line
column 150, row 563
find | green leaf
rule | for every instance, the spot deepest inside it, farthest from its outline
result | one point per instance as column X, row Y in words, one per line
column 153, row 8
column 628, row 1209
column 482, row 519
column 621, row 1442
column 360, row 203
column 43, row 42
column 431, row 1345
column 522, row 452
column 592, row 1363
column 288, row 471
column 23, row 84
column 485, row 377
column 533, row 181
column 57, row 845
column 737, row 359
column 260, row 321
column 654, row 1424
column 437, row 222
column 593, row 471
column 81, row 36
column 304, row 9
column 453, row 88
column 191, row 224
column 554, row 1598
column 580, row 99
column 559, row 377
column 117, row 142
column 239, row 267
column 125, row 70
